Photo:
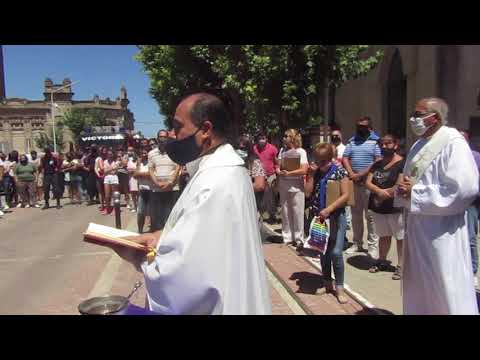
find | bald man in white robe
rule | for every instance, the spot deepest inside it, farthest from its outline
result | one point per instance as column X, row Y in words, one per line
column 441, row 181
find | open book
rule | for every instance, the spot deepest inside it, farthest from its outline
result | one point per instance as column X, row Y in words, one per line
column 101, row 234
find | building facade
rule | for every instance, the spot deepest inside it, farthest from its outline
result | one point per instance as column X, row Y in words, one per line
column 406, row 74
column 2, row 76
column 22, row 120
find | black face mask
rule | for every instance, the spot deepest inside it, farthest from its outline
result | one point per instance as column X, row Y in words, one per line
column 388, row 152
column 336, row 139
column 183, row 151
column 24, row 162
column 363, row 131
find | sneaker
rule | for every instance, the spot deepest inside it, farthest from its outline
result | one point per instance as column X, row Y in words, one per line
column 27, row 206
column 133, row 210
column 19, row 206
column 6, row 207
column 36, row 206
column 1, row 213
column 354, row 249
column 129, row 207
column 45, row 207
column 373, row 253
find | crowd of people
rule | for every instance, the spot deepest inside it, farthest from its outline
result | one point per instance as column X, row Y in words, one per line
column 143, row 175
column 381, row 177
column 426, row 199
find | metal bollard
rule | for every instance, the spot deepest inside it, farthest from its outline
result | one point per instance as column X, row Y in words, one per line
column 116, row 205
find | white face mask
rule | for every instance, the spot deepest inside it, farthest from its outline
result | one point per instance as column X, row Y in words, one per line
column 418, row 125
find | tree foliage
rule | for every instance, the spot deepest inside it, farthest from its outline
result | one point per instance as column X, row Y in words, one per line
column 268, row 86
column 78, row 120
column 45, row 140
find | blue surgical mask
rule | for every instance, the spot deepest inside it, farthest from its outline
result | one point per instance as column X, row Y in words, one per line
column 418, row 125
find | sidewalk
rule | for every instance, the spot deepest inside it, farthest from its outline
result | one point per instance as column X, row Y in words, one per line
column 377, row 292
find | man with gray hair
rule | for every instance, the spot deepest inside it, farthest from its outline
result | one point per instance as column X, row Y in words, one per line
column 440, row 182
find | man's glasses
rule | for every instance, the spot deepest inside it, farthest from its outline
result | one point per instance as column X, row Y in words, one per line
column 420, row 114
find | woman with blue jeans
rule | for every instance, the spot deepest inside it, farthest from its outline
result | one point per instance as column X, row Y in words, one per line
column 320, row 172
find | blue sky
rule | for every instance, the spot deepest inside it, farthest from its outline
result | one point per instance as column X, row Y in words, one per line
column 101, row 69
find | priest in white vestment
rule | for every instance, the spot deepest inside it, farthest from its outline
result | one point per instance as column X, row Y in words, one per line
column 441, row 181
column 209, row 256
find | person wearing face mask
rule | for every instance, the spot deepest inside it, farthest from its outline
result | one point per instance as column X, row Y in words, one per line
column 337, row 140
column 25, row 179
column 209, row 256
column 254, row 167
column 361, row 152
column 50, row 167
column 35, row 161
column 440, row 182
column 321, row 171
column 388, row 219
column 267, row 153
column 142, row 175
column 164, row 174
column 291, row 189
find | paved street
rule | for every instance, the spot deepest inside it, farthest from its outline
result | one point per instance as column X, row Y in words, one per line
column 45, row 266
column 47, row 269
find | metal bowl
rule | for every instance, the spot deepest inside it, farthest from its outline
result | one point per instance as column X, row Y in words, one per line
column 103, row 305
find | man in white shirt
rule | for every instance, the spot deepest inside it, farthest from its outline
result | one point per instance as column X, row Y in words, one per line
column 440, row 183
column 164, row 175
column 209, row 257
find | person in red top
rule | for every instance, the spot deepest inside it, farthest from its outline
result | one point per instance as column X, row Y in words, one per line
column 267, row 153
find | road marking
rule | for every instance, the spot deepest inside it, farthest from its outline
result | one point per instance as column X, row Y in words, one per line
column 104, row 284
column 289, row 300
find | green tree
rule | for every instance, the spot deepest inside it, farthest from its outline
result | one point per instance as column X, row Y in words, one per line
column 77, row 120
column 268, row 86
column 46, row 139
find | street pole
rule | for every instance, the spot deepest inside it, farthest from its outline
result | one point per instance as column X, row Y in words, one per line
column 53, row 112
column 53, row 122
column 116, row 206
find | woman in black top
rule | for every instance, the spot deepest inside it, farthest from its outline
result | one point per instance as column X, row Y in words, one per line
column 388, row 220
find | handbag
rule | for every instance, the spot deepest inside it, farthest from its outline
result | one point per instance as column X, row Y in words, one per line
column 319, row 234
column 333, row 193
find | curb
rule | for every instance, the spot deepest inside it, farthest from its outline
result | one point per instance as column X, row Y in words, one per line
column 354, row 295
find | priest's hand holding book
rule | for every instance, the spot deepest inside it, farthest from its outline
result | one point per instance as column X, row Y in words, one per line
column 129, row 246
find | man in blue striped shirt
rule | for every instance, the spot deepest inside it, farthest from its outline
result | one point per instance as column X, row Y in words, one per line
column 361, row 153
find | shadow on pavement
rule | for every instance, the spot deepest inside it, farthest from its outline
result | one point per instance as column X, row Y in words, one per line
column 309, row 253
column 366, row 311
column 308, row 283
column 273, row 240
column 360, row 262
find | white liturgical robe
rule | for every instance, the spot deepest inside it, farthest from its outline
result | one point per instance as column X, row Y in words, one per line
column 210, row 257
column 437, row 271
